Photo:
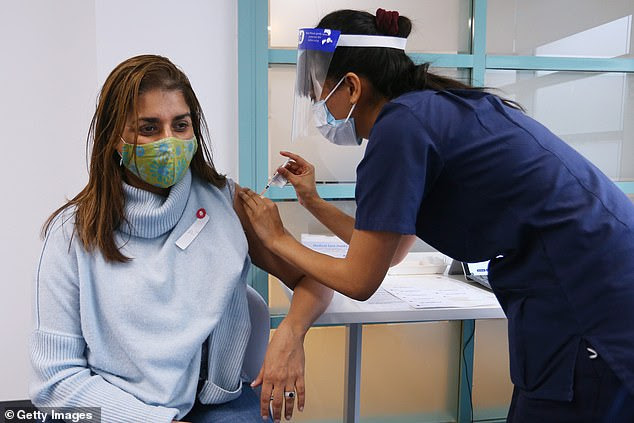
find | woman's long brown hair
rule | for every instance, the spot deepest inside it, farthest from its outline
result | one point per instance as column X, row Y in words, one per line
column 99, row 209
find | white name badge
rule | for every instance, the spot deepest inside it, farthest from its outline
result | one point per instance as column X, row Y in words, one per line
column 191, row 233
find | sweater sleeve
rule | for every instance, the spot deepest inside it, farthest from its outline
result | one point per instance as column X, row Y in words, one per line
column 61, row 376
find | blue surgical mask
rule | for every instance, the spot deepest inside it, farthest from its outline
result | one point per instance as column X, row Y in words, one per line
column 337, row 131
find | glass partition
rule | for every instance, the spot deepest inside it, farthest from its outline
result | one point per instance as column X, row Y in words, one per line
column 598, row 29
column 437, row 27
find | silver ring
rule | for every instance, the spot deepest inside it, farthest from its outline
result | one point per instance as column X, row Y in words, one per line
column 289, row 394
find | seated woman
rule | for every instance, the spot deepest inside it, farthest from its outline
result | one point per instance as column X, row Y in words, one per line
column 146, row 268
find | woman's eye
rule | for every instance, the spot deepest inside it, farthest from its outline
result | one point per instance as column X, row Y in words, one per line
column 147, row 129
column 182, row 126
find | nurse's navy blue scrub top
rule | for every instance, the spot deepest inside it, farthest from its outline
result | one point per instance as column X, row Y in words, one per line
column 479, row 180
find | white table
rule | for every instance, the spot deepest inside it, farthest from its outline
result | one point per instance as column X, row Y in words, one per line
column 354, row 314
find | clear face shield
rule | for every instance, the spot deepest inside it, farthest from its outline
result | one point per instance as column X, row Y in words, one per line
column 315, row 49
column 314, row 52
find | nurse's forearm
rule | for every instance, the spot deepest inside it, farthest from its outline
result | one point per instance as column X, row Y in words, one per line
column 330, row 216
column 353, row 278
column 342, row 225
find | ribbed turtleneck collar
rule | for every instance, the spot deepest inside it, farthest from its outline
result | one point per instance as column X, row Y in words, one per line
column 151, row 215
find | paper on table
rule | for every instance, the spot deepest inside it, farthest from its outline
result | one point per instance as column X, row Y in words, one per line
column 383, row 300
column 381, row 296
column 331, row 245
column 437, row 291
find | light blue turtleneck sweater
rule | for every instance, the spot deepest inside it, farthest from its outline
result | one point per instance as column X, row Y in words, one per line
column 127, row 337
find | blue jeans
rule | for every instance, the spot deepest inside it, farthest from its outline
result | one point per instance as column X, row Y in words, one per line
column 245, row 408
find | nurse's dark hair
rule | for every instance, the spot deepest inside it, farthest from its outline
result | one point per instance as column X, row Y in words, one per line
column 391, row 71
column 99, row 209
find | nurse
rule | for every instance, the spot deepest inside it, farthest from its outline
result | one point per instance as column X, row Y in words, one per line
column 473, row 176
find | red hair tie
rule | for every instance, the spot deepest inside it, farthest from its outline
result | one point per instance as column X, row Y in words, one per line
column 387, row 21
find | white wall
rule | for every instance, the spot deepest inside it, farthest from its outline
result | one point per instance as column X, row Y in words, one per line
column 55, row 57
column 200, row 36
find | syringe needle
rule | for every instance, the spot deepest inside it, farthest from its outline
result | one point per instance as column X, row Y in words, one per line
column 272, row 179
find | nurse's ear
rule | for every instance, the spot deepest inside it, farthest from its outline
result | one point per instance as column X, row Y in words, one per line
column 353, row 86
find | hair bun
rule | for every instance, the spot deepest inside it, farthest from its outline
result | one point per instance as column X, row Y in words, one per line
column 387, row 21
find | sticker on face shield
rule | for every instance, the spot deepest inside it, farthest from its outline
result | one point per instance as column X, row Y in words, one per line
column 318, row 39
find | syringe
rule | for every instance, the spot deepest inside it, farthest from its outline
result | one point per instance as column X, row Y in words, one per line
column 276, row 180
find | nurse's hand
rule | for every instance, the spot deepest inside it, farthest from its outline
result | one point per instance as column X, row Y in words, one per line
column 264, row 217
column 282, row 371
column 301, row 175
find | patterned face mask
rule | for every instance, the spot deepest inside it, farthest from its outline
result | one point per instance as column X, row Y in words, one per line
column 160, row 163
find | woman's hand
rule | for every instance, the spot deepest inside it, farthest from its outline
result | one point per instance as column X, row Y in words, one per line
column 301, row 175
column 264, row 217
column 282, row 371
